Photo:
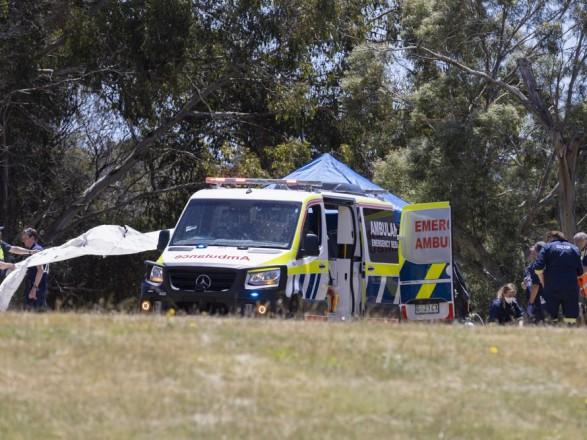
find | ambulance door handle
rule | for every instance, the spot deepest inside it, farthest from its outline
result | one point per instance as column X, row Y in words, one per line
column 322, row 266
column 370, row 268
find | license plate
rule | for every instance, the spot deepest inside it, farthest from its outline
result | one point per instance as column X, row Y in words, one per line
column 427, row 309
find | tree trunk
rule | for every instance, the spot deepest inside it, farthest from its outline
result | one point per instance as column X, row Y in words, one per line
column 4, row 160
column 5, row 185
column 567, row 155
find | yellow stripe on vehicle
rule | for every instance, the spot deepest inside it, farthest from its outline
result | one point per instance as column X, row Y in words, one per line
column 425, row 206
column 433, row 274
column 282, row 260
column 383, row 269
column 309, row 268
column 264, row 269
column 401, row 259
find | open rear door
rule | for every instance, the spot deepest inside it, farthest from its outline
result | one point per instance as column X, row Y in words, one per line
column 380, row 256
column 426, row 286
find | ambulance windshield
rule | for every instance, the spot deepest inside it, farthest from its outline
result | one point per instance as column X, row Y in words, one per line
column 238, row 223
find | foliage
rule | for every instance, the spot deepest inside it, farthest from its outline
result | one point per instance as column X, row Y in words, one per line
column 114, row 112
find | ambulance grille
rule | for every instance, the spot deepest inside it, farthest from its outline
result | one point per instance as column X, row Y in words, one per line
column 185, row 279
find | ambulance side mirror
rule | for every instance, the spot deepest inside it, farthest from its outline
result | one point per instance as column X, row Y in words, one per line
column 163, row 241
column 311, row 246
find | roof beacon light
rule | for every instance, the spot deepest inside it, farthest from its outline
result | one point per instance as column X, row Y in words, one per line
column 253, row 181
column 311, row 185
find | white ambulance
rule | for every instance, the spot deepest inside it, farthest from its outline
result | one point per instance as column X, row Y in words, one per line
column 290, row 248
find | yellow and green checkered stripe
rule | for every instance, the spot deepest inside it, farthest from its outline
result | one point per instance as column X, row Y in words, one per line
column 424, row 281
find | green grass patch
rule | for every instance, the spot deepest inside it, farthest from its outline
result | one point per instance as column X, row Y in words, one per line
column 95, row 377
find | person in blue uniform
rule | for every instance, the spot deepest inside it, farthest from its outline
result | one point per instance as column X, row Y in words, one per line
column 505, row 308
column 558, row 265
column 534, row 294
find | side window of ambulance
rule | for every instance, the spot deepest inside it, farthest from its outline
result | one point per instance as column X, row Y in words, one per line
column 313, row 223
column 382, row 235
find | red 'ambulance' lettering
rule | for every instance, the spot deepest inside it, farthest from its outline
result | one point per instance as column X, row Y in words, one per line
column 432, row 225
column 431, row 242
column 212, row 256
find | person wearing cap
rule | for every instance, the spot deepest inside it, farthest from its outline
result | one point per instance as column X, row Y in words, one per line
column 558, row 265
column 534, row 298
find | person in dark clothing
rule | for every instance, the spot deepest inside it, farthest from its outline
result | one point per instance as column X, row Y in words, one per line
column 534, row 298
column 36, row 277
column 6, row 249
column 558, row 265
column 505, row 309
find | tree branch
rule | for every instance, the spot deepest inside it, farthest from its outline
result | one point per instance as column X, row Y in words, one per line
column 537, row 200
column 227, row 115
column 513, row 90
column 381, row 15
column 472, row 246
column 134, row 199
column 533, row 102
column 118, row 172
column 577, row 66
column 537, row 103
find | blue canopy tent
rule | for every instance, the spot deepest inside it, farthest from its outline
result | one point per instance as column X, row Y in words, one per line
column 327, row 169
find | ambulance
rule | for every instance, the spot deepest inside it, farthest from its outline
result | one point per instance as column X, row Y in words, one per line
column 296, row 248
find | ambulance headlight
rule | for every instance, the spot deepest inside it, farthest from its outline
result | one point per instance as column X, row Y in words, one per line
column 263, row 279
column 156, row 275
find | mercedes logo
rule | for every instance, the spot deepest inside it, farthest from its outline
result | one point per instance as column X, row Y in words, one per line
column 203, row 282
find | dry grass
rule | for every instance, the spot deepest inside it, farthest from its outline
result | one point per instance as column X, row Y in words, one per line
column 89, row 376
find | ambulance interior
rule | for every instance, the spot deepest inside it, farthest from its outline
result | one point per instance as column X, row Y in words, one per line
column 344, row 256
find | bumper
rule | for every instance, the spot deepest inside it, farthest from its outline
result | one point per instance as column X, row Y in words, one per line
column 236, row 299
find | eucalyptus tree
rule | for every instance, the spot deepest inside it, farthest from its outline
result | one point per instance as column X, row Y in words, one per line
column 148, row 95
column 532, row 51
column 114, row 111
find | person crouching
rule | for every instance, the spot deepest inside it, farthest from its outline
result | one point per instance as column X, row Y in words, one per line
column 505, row 308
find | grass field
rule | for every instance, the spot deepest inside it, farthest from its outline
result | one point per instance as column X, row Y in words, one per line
column 110, row 377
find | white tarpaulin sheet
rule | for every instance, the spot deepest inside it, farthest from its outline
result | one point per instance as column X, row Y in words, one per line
column 105, row 240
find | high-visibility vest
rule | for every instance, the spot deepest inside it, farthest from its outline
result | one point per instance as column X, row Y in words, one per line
column 582, row 280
